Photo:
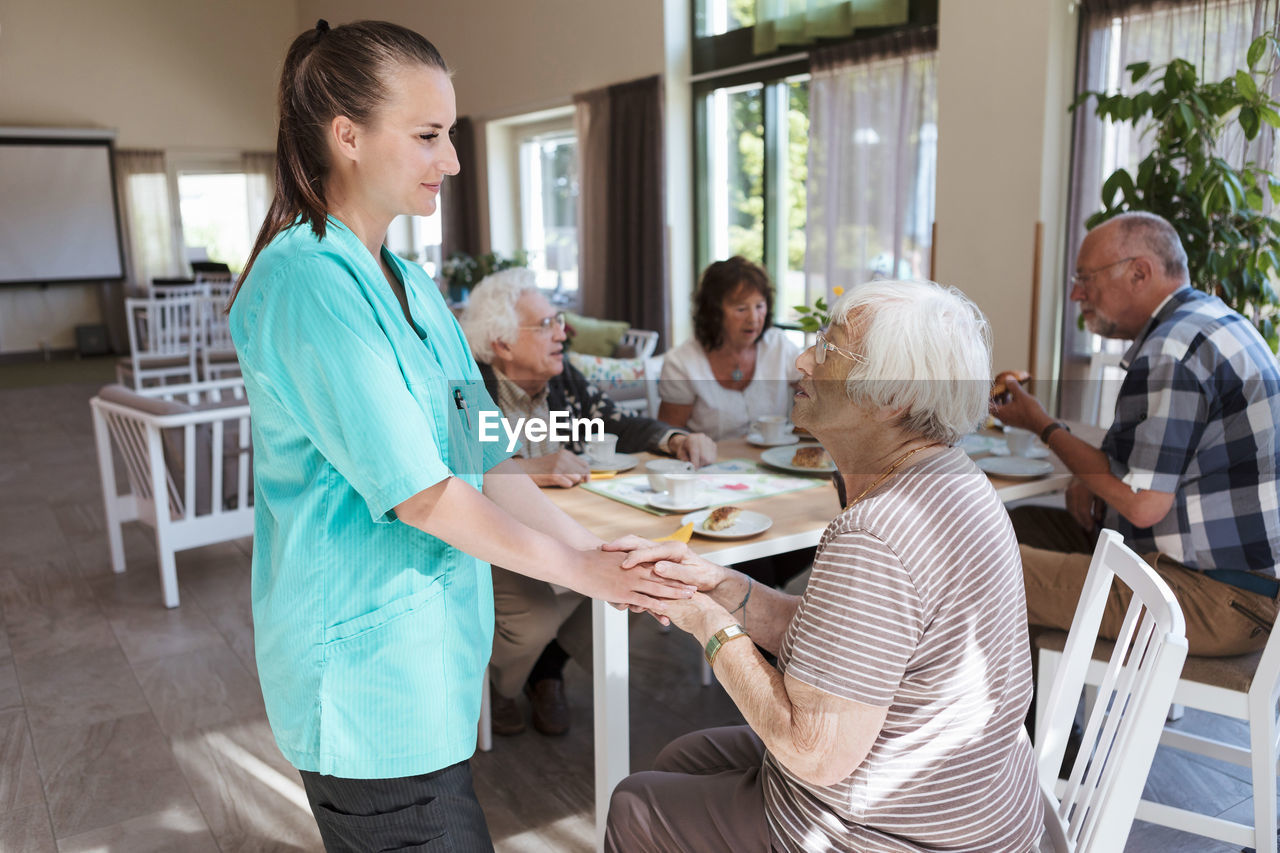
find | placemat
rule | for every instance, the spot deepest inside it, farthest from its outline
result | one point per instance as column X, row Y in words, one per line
column 730, row 481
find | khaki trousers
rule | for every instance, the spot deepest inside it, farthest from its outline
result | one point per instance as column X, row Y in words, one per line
column 704, row 793
column 528, row 614
column 1222, row 620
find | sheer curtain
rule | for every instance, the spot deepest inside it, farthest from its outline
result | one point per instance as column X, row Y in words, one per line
column 591, row 122
column 142, row 189
column 1114, row 33
column 259, row 169
column 872, row 162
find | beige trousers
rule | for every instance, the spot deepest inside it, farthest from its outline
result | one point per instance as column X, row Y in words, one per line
column 528, row 614
column 1222, row 620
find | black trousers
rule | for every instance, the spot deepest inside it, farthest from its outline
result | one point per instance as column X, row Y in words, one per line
column 436, row 811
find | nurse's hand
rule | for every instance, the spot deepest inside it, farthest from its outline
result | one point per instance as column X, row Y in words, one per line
column 601, row 576
column 562, row 469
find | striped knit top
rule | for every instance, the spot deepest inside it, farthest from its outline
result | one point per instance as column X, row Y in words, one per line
column 916, row 604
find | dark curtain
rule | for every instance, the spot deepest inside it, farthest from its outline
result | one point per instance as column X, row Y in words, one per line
column 635, row 261
column 459, row 198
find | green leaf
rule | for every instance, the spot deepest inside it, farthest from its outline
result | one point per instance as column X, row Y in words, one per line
column 1188, row 118
column 1119, row 182
column 1248, row 119
column 1138, row 70
column 801, row 309
column 1246, row 86
column 1269, row 115
column 1256, row 50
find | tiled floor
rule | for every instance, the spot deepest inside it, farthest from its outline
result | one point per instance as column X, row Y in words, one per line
column 128, row 727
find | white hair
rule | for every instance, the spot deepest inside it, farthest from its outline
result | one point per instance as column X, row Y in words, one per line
column 491, row 314
column 928, row 353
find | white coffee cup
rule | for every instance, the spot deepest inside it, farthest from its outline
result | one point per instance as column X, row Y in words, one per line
column 772, row 428
column 1020, row 441
column 657, row 469
column 602, row 449
column 683, row 486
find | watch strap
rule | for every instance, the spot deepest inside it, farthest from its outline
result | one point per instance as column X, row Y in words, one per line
column 1051, row 429
column 719, row 639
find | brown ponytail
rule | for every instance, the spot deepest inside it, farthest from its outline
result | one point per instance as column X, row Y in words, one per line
column 328, row 72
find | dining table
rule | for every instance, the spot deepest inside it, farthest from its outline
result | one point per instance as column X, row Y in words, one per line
column 798, row 520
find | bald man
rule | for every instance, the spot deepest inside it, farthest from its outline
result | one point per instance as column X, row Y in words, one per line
column 1187, row 473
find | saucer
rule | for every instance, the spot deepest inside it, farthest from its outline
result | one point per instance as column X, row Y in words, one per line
column 758, row 440
column 618, row 462
column 1015, row 467
column 664, row 501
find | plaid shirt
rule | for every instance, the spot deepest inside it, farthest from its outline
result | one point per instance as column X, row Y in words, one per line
column 1197, row 416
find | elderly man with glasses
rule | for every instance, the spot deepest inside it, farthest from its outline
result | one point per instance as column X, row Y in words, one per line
column 1187, row 473
column 518, row 339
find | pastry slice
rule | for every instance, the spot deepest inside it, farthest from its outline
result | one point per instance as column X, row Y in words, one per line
column 809, row 457
column 722, row 517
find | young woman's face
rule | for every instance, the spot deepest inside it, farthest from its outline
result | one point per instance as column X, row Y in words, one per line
column 406, row 151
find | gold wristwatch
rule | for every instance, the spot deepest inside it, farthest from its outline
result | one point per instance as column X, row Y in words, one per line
column 721, row 637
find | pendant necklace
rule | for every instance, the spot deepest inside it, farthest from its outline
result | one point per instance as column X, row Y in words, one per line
column 888, row 471
column 736, row 376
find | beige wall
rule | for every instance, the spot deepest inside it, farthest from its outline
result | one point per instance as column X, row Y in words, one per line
column 1003, row 153
column 513, row 56
column 166, row 74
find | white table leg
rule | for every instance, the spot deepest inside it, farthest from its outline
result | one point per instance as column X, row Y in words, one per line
column 612, row 706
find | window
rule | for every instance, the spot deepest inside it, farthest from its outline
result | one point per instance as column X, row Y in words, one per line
column 417, row 239
column 716, row 17
column 754, row 148
column 549, row 208
column 533, row 196
column 214, row 209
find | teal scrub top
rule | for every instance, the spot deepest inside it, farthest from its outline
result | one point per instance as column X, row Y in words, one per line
column 372, row 637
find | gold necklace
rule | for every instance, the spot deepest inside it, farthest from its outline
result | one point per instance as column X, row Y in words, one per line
column 889, row 472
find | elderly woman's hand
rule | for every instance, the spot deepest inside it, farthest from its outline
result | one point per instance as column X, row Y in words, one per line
column 675, row 561
column 696, row 448
column 698, row 616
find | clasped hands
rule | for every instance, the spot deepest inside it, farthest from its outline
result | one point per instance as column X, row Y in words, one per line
column 687, row 580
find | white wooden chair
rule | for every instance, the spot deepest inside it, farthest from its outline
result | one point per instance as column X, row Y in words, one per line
column 191, row 446
column 1245, row 688
column 1094, row 809
column 652, row 373
column 644, row 341
column 218, row 358
column 163, row 339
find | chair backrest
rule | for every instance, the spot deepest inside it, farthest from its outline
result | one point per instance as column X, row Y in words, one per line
column 652, row 373
column 202, row 432
column 644, row 341
column 1099, row 800
column 164, row 327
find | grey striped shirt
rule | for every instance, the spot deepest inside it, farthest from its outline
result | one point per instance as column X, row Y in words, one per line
column 916, row 604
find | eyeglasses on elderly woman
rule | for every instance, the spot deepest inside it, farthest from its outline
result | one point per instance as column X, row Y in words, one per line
column 822, row 345
column 545, row 324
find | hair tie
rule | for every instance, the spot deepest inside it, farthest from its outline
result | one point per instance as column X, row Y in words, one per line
column 322, row 26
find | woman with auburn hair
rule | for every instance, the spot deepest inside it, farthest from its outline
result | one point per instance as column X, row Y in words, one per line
column 378, row 506
column 737, row 367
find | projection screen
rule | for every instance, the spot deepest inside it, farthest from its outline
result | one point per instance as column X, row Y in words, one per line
column 58, row 219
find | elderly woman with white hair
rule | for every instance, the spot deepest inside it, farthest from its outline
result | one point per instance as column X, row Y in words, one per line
column 893, row 719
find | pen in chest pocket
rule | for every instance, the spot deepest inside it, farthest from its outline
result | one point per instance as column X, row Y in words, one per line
column 461, row 403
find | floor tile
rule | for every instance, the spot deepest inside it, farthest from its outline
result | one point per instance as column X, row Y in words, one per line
column 19, row 776
column 107, row 772
column 48, row 613
column 180, row 828
column 252, row 798
column 80, row 687
column 199, row 689
column 27, row 830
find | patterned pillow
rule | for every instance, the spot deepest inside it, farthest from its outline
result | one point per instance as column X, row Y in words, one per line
column 620, row 378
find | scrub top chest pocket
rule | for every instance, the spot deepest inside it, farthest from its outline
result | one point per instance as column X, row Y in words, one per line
column 465, row 453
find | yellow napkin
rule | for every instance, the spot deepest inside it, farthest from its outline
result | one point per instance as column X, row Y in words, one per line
column 603, row 475
column 681, row 535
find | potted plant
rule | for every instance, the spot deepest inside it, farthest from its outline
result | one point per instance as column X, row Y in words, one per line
column 1218, row 208
column 462, row 271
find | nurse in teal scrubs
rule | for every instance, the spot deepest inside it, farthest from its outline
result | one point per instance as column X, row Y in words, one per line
column 378, row 509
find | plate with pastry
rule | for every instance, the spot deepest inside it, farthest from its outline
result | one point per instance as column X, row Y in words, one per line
column 760, row 441
column 1015, row 467
column 805, row 459
column 728, row 522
